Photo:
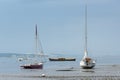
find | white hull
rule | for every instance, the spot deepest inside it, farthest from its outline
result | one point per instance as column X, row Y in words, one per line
column 87, row 64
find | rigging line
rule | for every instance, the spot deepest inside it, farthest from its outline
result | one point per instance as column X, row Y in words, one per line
column 38, row 43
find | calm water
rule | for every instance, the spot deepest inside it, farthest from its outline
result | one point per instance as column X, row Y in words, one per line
column 9, row 64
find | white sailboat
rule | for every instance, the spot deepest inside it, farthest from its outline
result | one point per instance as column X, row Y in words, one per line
column 39, row 52
column 86, row 62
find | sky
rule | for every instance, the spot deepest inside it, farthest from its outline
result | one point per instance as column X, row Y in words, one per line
column 60, row 25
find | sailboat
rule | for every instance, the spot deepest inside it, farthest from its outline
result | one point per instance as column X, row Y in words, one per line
column 86, row 62
column 36, row 64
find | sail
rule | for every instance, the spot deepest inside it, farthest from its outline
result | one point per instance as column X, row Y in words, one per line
column 39, row 49
column 36, row 30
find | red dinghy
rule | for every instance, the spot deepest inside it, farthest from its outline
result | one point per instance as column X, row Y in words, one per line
column 33, row 66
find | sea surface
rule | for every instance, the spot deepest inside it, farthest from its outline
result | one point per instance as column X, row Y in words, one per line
column 105, row 66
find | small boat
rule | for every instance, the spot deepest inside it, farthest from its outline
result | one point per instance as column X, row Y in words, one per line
column 62, row 59
column 33, row 66
column 23, row 58
column 39, row 52
column 86, row 62
column 20, row 59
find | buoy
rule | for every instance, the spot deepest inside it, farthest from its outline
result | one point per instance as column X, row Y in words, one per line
column 43, row 75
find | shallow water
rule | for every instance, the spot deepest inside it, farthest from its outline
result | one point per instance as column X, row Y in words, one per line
column 10, row 70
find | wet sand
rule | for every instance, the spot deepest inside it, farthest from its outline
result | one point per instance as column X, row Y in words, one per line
column 31, row 77
column 103, row 72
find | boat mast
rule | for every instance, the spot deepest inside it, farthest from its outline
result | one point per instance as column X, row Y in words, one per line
column 86, row 52
column 38, row 42
column 36, row 38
